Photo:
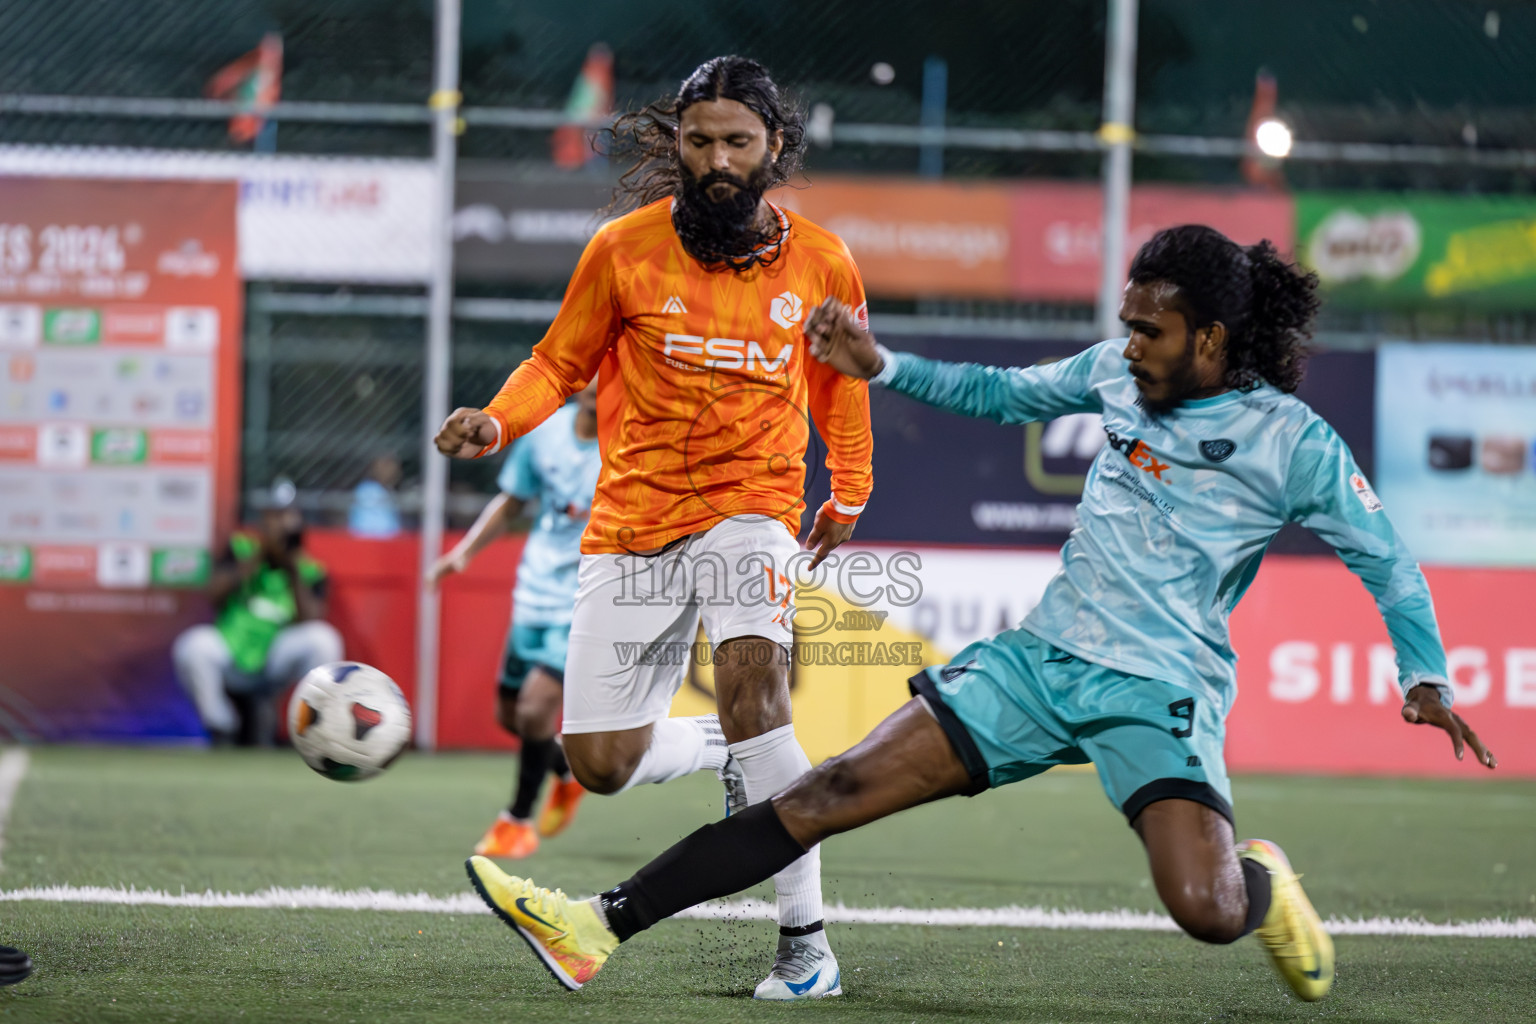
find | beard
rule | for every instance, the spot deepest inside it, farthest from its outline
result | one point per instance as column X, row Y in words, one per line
column 724, row 232
column 1183, row 382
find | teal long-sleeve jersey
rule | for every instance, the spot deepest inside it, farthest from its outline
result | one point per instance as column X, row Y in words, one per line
column 1177, row 511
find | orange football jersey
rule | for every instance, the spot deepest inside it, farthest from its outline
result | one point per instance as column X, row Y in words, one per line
column 706, row 391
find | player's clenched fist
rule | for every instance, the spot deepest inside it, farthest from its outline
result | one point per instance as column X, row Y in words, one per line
column 464, row 433
column 836, row 339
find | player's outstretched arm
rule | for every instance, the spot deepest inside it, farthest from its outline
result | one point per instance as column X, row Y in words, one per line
column 836, row 339
column 1423, row 707
column 1327, row 493
column 494, row 520
column 466, row 433
column 1007, row 395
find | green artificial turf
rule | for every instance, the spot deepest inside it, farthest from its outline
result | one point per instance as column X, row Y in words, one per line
column 237, row 821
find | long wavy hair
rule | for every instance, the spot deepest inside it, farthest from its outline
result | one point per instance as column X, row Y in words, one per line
column 650, row 134
column 1266, row 303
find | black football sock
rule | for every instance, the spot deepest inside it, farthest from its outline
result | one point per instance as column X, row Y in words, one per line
column 1256, row 878
column 558, row 765
column 715, row 861
column 803, row 930
column 533, row 765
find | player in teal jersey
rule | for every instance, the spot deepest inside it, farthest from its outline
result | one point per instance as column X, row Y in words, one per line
column 556, row 464
column 1126, row 661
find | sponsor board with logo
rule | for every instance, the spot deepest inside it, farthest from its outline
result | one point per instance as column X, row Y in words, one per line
column 72, row 326
column 910, row 238
column 117, row 446
column 916, row 238
column 120, row 338
column 1028, row 240
column 1317, row 676
column 181, row 567
column 1057, row 229
column 1418, row 249
column 1313, row 693
column 952, row 479
column 300, row 218
column 524, row 230
column 15, row 563
column 1456, row 450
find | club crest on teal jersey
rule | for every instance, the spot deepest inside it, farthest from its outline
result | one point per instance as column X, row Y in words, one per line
column 1219, row 450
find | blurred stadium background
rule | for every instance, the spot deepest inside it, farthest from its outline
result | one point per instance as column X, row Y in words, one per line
column 967, row 152
column 245, row 240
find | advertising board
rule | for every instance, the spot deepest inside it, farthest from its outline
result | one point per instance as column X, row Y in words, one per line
column 120, row 326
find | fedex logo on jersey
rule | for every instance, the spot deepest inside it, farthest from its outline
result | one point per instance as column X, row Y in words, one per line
column 684, row 351
column 1137, row 453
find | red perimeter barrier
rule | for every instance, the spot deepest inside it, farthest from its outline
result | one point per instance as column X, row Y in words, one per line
column 373, row 604
column 1317, row 683
column 1316, row 677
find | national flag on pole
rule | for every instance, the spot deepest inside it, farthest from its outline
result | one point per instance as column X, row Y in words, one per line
column 591, row 100
column 255, row 81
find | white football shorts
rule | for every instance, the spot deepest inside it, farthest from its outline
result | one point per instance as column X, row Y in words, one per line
column 637, row 617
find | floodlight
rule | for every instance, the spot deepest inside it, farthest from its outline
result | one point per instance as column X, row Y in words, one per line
column 1274, row 138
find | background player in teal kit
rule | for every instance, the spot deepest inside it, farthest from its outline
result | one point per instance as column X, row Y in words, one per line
column 556, row 464
column 1126, row 661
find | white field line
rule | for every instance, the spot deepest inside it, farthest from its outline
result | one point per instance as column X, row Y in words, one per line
column 13, row 768
column 313, row 898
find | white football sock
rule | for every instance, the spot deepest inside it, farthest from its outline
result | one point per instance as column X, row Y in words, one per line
column 769, row 763
column 680, row 746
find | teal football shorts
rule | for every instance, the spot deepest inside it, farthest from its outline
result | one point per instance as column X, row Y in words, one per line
column 1013, row 705
column 533, row 646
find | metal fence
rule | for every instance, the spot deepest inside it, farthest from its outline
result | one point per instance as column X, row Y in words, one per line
column 1426, row 73
column 334, row 380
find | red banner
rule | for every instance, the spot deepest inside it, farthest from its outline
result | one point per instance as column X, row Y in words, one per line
column 373, row 602
column 1317, row 689
column 120, row 328
column 1027, row 240
column 1057, row 229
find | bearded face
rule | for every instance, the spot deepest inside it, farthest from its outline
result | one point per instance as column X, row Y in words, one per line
column 1180, row 382
column 716, row 215
column 725, row 159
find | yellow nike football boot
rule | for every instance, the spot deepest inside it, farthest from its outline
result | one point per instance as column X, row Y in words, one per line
column 567, row 935
column 1292, row 932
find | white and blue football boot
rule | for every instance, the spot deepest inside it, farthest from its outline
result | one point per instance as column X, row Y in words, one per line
column 735, row 784
column 803, row 968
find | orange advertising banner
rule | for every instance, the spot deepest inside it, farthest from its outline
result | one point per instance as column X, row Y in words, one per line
column 916, row 238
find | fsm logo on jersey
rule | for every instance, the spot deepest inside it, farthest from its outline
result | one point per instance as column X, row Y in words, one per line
column 681, row 351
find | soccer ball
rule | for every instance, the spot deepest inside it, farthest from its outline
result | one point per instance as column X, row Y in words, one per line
column 348, row 721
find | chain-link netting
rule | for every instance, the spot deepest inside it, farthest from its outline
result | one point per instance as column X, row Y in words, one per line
column 1411, row 71
column 330, row 390
column 328, row 394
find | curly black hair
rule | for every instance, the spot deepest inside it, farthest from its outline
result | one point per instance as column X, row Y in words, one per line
column 1266, row 303
column 651, row 132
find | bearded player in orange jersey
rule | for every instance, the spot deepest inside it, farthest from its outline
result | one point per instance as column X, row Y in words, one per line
column 688, row 311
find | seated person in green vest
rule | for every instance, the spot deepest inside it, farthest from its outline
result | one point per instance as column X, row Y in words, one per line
column 269, row 627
